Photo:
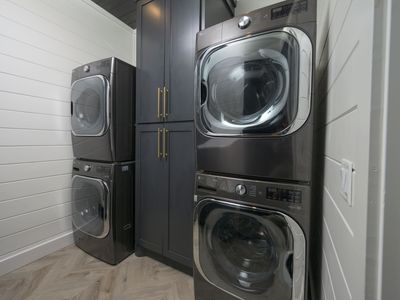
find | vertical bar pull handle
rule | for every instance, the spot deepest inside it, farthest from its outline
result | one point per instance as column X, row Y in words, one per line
column 159, row 103
column 165, row 97
column 165, row 136
column 158, row 143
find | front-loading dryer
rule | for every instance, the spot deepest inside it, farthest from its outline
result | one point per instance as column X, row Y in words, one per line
column 103, row 111
column 254, row 97
column 250, row 239
column 103, row 209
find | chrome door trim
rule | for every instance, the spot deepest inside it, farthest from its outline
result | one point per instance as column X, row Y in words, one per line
column 304, row 89
column 106, row 124
column 106, row 228
column 299, row 256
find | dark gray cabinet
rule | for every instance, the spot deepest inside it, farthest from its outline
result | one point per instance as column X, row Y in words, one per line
column 166, row 43
column 151, row 188
column 150, row 60
column 165, row 187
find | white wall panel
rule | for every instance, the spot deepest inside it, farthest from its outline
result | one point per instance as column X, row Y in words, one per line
column 29, row 154
column 23, row 137
column 37, row 186
column 15, row 224
column 24, row 171
column 31, row 104
column 27, row 120
column 344, row 68
column 28, row 237
column 20, row 206
column 40, row 43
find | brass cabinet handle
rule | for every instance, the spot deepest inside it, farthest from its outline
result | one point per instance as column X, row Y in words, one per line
column 158, row 143
column 159, row 102
column 165, row 97
column 165, row 135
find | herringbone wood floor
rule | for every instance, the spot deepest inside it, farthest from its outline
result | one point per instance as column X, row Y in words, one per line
column 72, row 274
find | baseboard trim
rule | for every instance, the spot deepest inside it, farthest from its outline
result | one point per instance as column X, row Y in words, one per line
column 31, row 253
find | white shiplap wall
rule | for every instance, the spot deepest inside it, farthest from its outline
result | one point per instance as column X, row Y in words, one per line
column 344, row 72
column 41, row 41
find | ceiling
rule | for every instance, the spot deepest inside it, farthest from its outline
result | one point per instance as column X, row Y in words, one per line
column 125, row 10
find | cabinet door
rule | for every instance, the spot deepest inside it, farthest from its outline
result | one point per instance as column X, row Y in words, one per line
column 151, row 188
column 150, row 59
column 181, row 161
column 183, row 22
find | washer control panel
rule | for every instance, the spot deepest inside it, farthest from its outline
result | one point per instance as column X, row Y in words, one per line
column 285, row 195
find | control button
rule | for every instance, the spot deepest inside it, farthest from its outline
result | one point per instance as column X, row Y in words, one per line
column 86, row 68
column 273, row 194
column 244, row 22
column 240, row 189
column 87, row 168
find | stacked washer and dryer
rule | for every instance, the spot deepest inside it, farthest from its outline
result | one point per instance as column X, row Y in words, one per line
column 254, row 123
column 102, row 121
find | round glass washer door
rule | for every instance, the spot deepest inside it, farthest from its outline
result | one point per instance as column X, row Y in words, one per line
column 248, row 253
column 89, row 98
column 90, row 206
column 251, row 86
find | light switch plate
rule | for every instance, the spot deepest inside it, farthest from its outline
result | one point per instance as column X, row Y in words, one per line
column 346, row 181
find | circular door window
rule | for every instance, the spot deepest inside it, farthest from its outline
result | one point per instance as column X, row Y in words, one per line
column 244, row 251
column 90, row 206
column 250, row 86
column 89, row 104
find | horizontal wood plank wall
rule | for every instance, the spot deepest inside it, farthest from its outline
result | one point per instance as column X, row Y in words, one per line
column 344, row 72
column 41, row 42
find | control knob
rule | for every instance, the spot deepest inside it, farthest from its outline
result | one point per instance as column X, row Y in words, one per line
column 87, row 168
column 240, row 189
column 244, row 22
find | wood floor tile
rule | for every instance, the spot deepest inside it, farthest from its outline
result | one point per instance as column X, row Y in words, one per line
column 71, row 274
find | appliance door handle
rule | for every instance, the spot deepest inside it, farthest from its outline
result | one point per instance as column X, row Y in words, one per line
column 165, row 98
column 158, row 143
column 72, row 108
column 159, row 115
column 165, row 136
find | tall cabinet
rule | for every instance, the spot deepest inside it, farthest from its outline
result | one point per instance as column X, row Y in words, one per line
column 166, row 37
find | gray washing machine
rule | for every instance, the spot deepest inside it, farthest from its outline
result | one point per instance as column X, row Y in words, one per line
column 103, row 209
column 103, row 111
column 250, row 239
column 254, row 98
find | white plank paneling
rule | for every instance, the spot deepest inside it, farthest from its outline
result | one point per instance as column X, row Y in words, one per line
column 40, row 43
column 28, row 204
column 31, row 104
column 28, row 154
column 27, row 52
column 33, row 235
column 32, row 219
column 28, row 69
column 26, row 34
column 33, row 87
column 326, row 279
column 344, row 65
column 15, row 172
column 23, row 137
column 21, row 13
column 339, row 281
column 25, row 188
column 25, row 120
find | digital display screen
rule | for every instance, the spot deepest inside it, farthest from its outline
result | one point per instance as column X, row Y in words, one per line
column 286, row 10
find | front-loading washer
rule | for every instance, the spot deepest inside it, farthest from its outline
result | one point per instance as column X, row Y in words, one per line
column 254, row 96
column 250, row 239
column 103, row 209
